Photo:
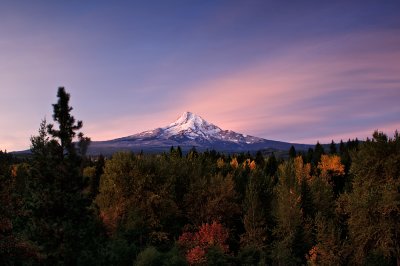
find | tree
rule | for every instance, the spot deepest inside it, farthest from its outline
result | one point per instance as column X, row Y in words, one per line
column 59, row 220
column 318, row 151
column 291, row 246
column 373, row 204
column 209, row 237
column 212, row 199
column 254, row 220
column 332, row 171
column 332, row 148
column 67, row 126
column 292, row 152
column 13, row 247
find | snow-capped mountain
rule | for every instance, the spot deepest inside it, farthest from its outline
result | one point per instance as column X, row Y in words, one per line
column 190, row 130
column 192, row 127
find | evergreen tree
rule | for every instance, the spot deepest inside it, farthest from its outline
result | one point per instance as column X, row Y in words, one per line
column 332, row 148
column 260, row 161
column 60, row 223
column 309, row 156
column 318, row 151
column 67, row 126
column 292, row 152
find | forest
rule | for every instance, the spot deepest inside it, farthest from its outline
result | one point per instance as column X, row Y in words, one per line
column 326, row 206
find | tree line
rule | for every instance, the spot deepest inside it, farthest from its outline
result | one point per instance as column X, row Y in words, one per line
column 333, row 207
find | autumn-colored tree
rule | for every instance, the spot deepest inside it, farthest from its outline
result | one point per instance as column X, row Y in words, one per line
column 196, row 245
column 330, row 165
column 332, row 171
column 234, row 163
column 291, row 245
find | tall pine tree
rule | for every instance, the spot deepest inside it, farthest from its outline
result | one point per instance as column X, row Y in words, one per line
column 60, row 222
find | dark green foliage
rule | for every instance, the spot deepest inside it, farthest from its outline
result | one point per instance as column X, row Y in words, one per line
column 292, row 152
column 13, row 248
column 151, row 256
column 260, row 161
column 216, row 257
column 57, row 217
column 271, row 165
column 249, row 256
column 67, row 126
column 309, row 155
column 332, row 148
column 373, row 204
column 318, row 151
column 306, row 200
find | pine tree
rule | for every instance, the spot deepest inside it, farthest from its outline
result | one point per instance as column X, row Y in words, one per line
column 292, row 152
column 67, row 126
column 60, row 223
column 332, row 148
column 318, row 151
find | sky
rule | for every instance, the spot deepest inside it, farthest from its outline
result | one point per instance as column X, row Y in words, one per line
column 296, row 71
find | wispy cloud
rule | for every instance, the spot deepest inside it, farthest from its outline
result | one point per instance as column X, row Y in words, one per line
column 314, row 91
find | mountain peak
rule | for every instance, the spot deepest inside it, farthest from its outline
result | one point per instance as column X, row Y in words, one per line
column 188, row 118
column 193, row 125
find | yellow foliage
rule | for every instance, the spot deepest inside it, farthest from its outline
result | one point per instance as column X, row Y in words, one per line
column 220, row 163
column 302, row 170
column 245, row 163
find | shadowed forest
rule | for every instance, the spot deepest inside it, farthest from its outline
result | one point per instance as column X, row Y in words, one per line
column 327, row 206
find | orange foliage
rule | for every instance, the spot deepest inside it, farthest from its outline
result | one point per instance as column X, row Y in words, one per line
column 197, row 244
column 14, row 170
column 252, row 165
column 196, row 255
column 234, row 163
column 330, row 165
column 312, row 256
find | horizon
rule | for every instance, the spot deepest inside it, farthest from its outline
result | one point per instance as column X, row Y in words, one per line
column 298, row 73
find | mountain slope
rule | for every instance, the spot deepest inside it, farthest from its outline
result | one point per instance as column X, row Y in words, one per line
column 190, row 130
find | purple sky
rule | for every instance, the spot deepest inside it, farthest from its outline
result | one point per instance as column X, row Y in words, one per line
column 298, row 71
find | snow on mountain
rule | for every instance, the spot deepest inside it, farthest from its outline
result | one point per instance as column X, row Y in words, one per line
column 192, row 125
